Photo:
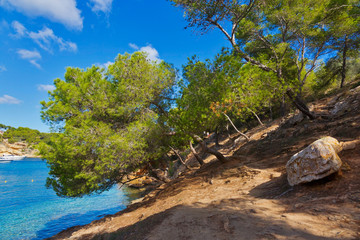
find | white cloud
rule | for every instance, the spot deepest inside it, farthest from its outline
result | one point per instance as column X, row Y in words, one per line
column 9, row 100
column 26, row 54
column 20, row 30
column 45, row 38
column 35, row 63
column 101, row 5
column 105, row 65
column 31, row 56
column 133, row 46
column 152, row 53
column 60, row 11
column 42, row 87
column 2, row 68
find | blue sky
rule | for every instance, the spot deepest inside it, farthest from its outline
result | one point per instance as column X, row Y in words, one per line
column 40, row 38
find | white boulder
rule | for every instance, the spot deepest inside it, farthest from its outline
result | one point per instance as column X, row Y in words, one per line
column 316, row 161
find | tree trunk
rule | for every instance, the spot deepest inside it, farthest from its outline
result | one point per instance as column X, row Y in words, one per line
column 206, row 149
column 343, row 70
column 283, row 106
column 161, row 175
column 299, row 103
column 198, row 158
column 228, row 130
column 179, row 156
column 257, row 117
column 216, row 136
column 242, row 134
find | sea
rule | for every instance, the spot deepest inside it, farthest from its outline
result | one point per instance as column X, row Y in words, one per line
column 29, row 210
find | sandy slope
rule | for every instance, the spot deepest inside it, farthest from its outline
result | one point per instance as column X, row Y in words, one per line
column 249, row 197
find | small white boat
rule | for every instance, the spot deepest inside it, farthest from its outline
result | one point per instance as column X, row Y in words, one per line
column 8, row 157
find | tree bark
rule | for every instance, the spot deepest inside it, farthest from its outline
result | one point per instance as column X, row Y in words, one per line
column 283, row 106
column 216, row 136
column 299, row 103
column 198, row 158
column 179, row 156
column 206, row 149
column 242, row 134
column 343, row 70
column 228, row 130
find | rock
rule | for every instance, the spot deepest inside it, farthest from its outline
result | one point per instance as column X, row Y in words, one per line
column 298, row 205
column 137, row 200
column 17, row 148
column 316, row 161
column 151, row 181
column 350, row 145
column 137, row 183
column 142, row 182
column 296, row 119
column 3, row 148
column 340, row 108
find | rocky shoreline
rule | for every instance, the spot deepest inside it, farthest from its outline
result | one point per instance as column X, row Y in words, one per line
column 19, row 149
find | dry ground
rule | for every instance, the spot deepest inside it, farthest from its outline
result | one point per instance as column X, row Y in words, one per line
column 249, row 197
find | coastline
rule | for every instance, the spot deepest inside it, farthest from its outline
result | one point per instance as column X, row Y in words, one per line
column 249, row 197
column 19, row 149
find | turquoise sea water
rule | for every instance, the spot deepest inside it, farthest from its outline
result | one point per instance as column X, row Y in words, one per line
column 28, row 210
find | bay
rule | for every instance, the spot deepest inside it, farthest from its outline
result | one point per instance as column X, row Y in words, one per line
column 28, row 210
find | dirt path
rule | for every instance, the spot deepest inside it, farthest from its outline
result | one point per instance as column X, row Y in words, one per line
column 249, row 197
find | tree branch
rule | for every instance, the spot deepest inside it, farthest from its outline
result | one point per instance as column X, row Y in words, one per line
column 179, row 156
column 242, row 134
column 206, row 149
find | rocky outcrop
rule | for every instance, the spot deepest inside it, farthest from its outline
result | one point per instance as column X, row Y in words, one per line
column 143, row 182
column 316, row 161
column 345, row 102
column 140, row 181
column 17, row 148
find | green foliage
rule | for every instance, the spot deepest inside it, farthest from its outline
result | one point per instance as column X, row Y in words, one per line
column 28, row 135
column 283, row 37
column 3, row 126
column 211, row 89
column 329, row 75
column 249, row 89
column 343, row 18
column 111, row 122
column 24, row 134
column 201, row 85
column 343, row 24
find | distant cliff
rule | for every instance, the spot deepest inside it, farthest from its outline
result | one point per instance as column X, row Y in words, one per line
column 18, row 148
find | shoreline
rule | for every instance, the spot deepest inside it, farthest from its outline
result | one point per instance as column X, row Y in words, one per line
column 25, row 199
column 249, row 197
